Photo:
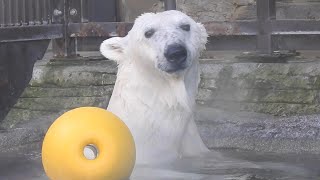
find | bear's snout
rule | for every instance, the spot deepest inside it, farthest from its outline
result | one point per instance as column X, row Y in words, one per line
column 176, row 54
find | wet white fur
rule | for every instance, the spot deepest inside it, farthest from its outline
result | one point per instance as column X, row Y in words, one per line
column 157, row 106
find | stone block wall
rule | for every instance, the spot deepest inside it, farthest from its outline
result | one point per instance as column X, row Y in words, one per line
column 217, row 10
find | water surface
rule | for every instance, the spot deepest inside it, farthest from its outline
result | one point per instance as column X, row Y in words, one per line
column 224, row 164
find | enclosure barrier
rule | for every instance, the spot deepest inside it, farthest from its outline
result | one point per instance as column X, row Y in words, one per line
column 66, row 20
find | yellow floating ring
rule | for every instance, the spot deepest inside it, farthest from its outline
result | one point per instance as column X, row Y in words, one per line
column 88, row 128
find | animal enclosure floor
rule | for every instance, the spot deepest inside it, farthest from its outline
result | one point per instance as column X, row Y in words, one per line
column 220, row 165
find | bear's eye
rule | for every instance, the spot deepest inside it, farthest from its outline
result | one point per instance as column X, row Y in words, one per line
column 149, row 33
column 185, row 27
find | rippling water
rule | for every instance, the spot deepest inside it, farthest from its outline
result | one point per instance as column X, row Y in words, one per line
column 223, row 165
column 236, row 165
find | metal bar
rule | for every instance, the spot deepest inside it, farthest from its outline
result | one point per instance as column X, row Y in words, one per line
column 230, row 42
column 25, row 9
column 56, row 11
column 45, row 12
column 62, row 47
column 72, row 15
column 216, row 28
column 31, row 12
column 295, row 27
column 7, row 13
column 22, row 10
column 50, row 11
column 170, row 5
column 291, row 27
column 296, row 42
column 280, row 42
column 74, row 11
column 84, row 11
column 30, row 33
column 2, row 13
column 265, row 12
column 118, row 11
column 268, row 33
column 65, row 47
column 97, row 11
column 38, row 11
column 101, row 10
column 68, row 44
column 16, row 12
column 235, row 29
column 99, row 29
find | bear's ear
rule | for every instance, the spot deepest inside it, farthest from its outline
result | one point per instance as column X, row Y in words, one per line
column 203, row 36
column 113, row 49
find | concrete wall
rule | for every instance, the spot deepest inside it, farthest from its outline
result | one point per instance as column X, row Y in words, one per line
column 231, row 93
column 280, row 89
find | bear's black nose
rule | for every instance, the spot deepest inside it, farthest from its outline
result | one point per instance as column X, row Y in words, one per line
column 176, row 53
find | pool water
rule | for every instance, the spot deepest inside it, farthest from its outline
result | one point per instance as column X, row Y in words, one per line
column 226, row 164
column 237, row 165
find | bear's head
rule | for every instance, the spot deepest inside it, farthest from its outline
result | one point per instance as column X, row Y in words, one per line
column 169, row 41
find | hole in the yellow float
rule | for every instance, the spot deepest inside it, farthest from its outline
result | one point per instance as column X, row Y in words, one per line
column 90, row 152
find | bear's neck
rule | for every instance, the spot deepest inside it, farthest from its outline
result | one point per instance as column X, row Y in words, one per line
column 156, row 108
column 172, row 90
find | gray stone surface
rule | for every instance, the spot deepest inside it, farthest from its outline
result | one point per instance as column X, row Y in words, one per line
column 281, row 89
column 203, row 10
column 207, row 10
column 61, row 85
column 28, row 134
column 233, row 95
column 216, row 10
column 259, row 132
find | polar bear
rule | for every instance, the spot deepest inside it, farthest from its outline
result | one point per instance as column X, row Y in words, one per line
column 157, row 83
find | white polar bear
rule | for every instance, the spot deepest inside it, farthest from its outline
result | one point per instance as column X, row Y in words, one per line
column 157, row 83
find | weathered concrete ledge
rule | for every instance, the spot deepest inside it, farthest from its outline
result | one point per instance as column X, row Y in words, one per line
column 61, row 85
column 280, row 89
column 267, row 107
